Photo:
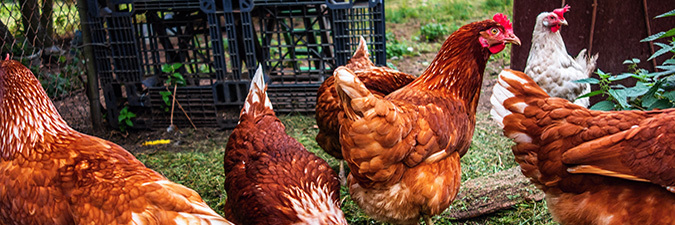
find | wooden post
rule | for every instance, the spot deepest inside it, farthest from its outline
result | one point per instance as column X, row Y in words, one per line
column 92, row 75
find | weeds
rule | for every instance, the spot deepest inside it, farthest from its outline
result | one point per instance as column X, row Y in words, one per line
column 652, row 90
column 434, row 32
column 124, row 119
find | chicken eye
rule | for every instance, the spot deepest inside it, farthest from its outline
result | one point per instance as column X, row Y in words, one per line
column 494, row 31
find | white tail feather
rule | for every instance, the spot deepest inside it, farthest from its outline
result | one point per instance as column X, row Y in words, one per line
column 500, row 93
column 256, row 92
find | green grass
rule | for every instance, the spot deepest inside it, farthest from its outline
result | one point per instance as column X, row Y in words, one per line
column 442, row 11
column 201, row 169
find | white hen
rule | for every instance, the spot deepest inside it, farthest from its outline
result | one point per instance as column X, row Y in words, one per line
column 551, row 66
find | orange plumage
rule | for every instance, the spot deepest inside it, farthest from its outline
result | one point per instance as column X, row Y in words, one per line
column 380, row 80
column 52, row 174
column 595, row 167
column 271, row 177
column 403, row 150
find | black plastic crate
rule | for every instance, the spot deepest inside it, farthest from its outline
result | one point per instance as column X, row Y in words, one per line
column 134, row 39
column 359, row 18
column 301, row 42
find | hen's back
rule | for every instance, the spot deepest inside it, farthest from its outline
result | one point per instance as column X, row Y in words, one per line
column 271, row 177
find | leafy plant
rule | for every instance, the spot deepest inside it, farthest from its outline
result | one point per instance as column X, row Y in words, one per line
column 433, row 32
column 395, row 48
column 166, row 97
column 173, row 78
column 124, row 119
column 653, row 90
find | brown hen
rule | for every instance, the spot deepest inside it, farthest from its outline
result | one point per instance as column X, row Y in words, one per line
column 52, row 174
column 403, row 150
column 380, row 80
column 271, row 177
column 595, row 167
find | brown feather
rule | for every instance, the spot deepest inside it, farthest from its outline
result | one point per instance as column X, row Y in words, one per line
column 595, row 167
column 271, row 177
column 413, row 167
column 56, row 175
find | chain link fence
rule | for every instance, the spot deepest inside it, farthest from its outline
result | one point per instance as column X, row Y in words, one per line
column 45, row 36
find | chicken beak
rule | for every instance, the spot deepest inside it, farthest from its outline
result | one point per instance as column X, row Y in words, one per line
column 513, row 39
column 563, row 22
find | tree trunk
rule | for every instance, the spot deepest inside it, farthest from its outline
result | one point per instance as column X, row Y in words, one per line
column 7, row 38
column 38, row 29
column 47, row 23
column 30, row 18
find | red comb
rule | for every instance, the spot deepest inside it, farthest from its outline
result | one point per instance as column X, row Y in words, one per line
column 561, row 11
column 504, row 21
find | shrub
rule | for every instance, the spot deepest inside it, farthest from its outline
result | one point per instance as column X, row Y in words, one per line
column 433, row 31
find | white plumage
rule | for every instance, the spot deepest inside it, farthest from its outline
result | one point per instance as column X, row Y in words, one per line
column 551, row 66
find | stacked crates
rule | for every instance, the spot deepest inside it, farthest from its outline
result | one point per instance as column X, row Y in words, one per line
column 218, row 46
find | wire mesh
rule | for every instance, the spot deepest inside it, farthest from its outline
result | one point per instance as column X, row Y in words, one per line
column 44, row 36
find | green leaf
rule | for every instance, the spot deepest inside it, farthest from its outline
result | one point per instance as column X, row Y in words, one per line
column 165, row 96
column 179, row 79
column 121, row 117
column 670, row 95
column 591, row 94
column 603, row 105
column 602, row 74
column 661, row 104
column 650, row 97
column 653, row 37
column 666, row 67
column 129, row 123
column 632, row 61
column 668, row 83
column 663, row 50
column 587, row 81
column 166, row 69
column 620, row 76
column 637, row 90
column 175, row 66
column 669, row 33
column 669, row 62
column 620, row 96
column 670, row 13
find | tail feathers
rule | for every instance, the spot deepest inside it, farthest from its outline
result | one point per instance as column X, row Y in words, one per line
column 361, row 58
column 351, row 91
column 177, row 205
column 590, row 66
column 585, row 62
column 257, row 102
column 510, row 92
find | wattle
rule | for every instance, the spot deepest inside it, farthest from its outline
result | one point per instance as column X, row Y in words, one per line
column 497, row 48
column 555, row 28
